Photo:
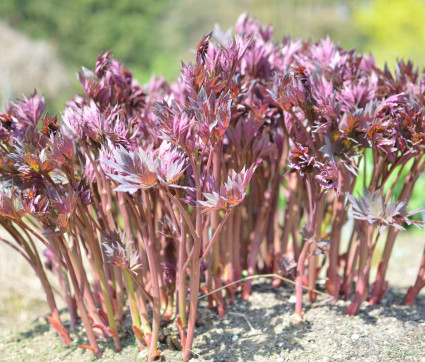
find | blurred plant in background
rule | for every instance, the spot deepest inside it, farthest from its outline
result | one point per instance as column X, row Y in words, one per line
column 150, row 36
column 82, row 28
column 391, row 28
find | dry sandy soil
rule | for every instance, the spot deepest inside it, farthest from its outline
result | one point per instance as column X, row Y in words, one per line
column 260, row 329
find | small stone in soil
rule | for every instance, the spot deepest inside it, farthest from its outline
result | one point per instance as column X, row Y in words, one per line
column 292, row 299
column 143, row 354
column 355, row 337
column 235, row 338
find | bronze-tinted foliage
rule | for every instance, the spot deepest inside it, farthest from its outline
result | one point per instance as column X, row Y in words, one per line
column 244, row 163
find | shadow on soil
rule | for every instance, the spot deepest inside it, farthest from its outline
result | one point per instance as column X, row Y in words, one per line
column 232, row 338
column 248, row 330
column 391, row 306
column 263, row 323
column 40, row 326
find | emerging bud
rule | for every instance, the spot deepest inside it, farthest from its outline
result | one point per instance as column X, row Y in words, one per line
column 119, row 252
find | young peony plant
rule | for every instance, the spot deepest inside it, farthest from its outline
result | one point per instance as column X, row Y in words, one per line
column 147, row 196
column 373, row 209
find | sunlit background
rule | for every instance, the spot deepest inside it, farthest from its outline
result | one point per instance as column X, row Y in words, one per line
column 45, row 42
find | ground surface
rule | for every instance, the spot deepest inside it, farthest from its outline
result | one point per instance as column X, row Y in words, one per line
column 260, row 329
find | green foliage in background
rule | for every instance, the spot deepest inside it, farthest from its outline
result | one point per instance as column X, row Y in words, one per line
column 391, row 28
column 153, row 35
column 80, row 29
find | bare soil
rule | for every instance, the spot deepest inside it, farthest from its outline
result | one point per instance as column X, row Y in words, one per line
column 259, row 329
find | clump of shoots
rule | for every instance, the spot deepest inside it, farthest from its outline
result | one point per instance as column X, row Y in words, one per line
column 147, row 196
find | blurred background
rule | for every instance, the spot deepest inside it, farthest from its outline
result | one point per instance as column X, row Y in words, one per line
column 45, row 42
